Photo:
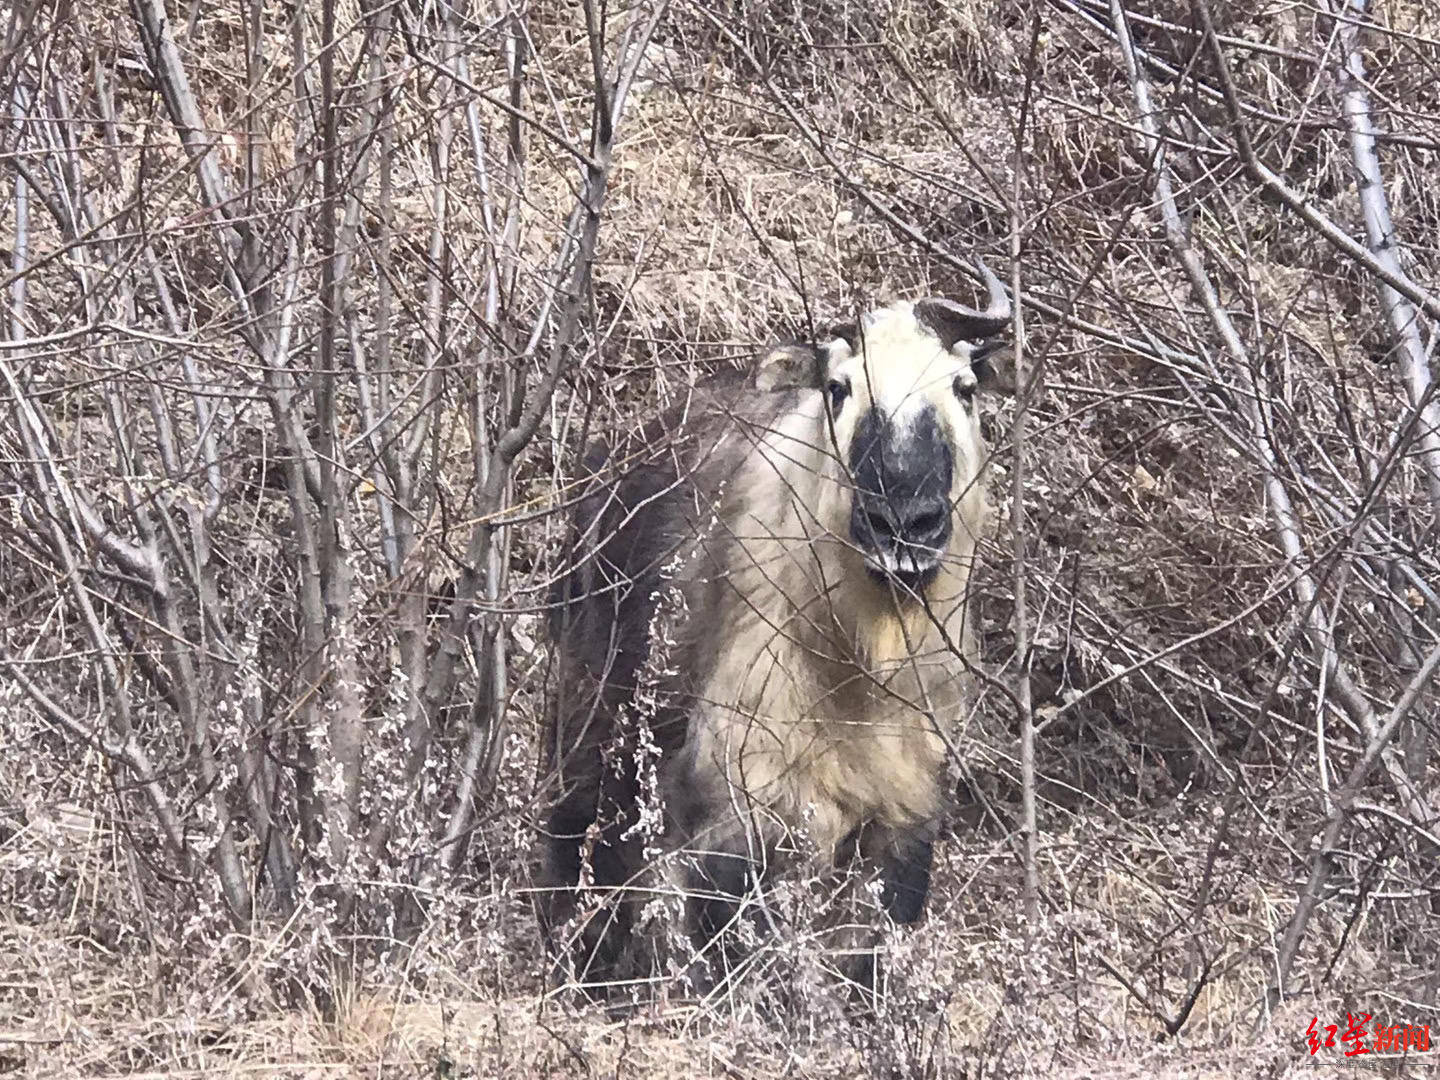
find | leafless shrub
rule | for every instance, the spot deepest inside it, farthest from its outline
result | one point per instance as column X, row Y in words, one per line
column 309, row 311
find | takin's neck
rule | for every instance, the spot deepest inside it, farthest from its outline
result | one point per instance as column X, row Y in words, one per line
column 804, row 610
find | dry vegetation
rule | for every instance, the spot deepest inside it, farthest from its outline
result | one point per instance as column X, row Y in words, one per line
column 282, row 446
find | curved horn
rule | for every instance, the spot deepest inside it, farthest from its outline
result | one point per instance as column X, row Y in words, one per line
column 954, row 322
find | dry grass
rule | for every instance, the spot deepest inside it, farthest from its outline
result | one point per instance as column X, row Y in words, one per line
column 1152, row 548
column 975, row 988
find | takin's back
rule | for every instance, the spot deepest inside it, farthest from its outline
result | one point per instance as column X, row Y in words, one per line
column 645, row 498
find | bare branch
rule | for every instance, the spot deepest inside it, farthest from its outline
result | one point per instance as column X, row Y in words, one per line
column 581, row 235
column 1322, row 863
column 1025, row 385
column 126, row 751
column 1387, row 271
column 1385, row 246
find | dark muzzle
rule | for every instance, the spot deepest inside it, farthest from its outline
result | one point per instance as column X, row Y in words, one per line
column 900, row 518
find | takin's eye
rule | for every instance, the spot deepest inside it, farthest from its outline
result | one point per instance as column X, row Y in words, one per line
column 836, row 391
column 965, row 391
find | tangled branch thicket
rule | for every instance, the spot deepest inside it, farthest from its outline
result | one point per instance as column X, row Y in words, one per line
column 309, row 310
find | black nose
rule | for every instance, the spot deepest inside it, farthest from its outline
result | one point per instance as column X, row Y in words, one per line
column 890, row 523
column 900, row 513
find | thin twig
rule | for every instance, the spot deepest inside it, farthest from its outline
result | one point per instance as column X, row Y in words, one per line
column 1323, row 861
column 1025, row 386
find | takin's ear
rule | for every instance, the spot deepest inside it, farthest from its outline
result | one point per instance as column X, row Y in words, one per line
column 993, row 363
column 788, row 367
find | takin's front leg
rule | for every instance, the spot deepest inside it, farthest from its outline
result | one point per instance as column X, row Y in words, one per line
column 720, row 862
column 904, row 857
column 885, row 863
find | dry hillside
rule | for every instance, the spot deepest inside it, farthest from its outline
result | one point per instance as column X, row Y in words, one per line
column 309, row 310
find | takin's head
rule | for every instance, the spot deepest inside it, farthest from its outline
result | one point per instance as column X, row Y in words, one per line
column 896, row 403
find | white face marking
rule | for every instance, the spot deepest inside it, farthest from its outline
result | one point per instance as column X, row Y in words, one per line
column 900, row 366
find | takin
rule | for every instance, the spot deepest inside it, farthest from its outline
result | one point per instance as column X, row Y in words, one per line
column 762, row 634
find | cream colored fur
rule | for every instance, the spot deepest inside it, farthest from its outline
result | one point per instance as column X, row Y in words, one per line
column 823, row 710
